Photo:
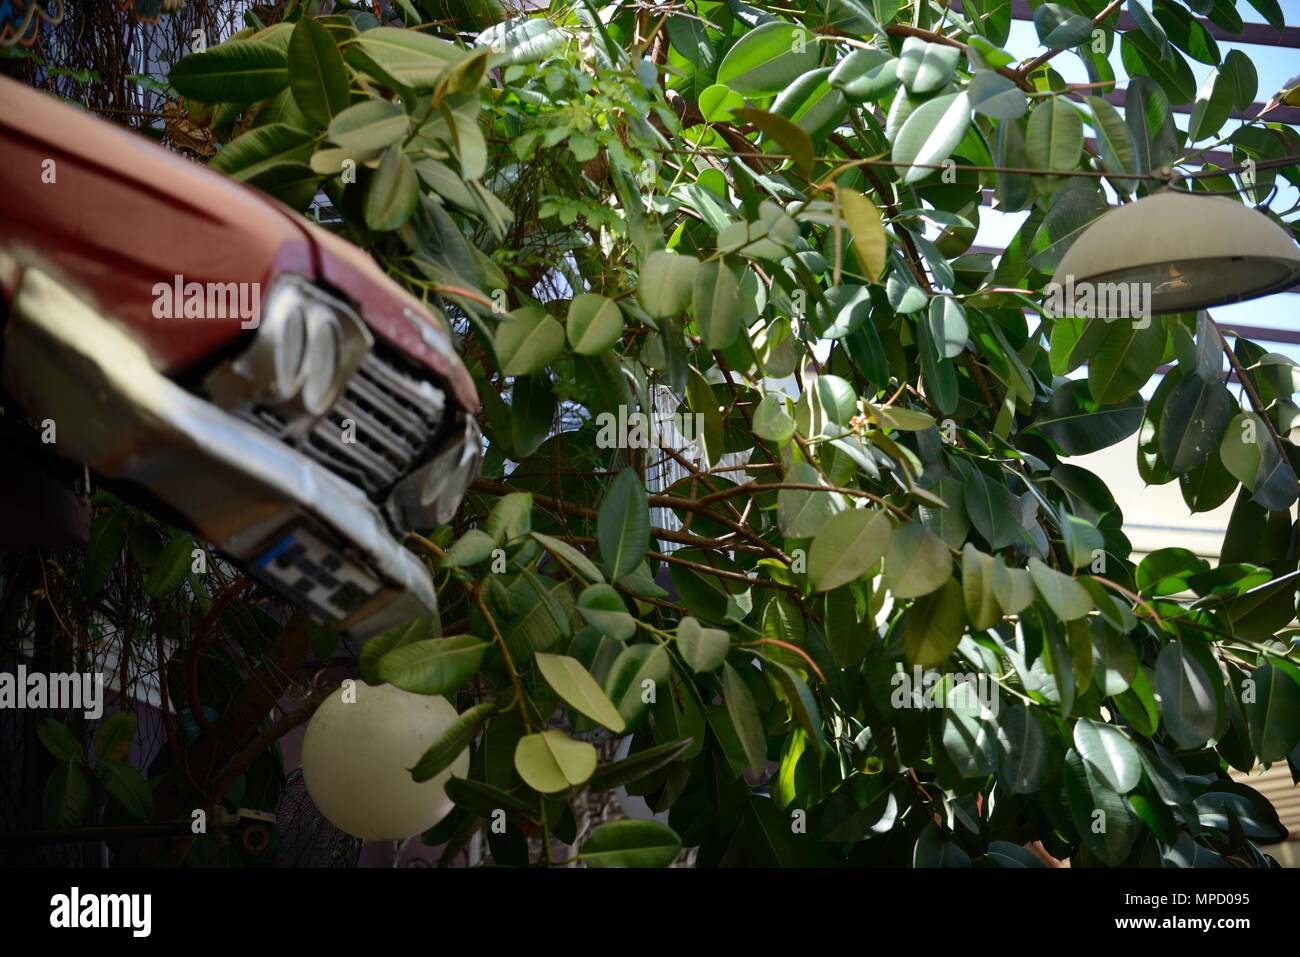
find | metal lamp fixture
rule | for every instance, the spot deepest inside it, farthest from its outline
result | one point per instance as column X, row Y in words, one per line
column 1193, row 251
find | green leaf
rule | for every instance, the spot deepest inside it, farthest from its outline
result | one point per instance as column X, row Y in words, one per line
column 522, row 39
column 413, row 59
column 869, row 240
column 801, row 512
column 948, row 327
column 1147, row 115
column 1189, row 698
column 623, row 524
column 392, row 192
column 969, row 732
column 114, row 737
column 926, row 67
column 1240, row 448
column 638, row 764
column 108, row 532
column 1213, row 106
column 716, row 302
column 1274, row 713
column 373, row 651
column 510, row 518
column 847, row 546
column 566, row 553
column 1114, row 143
column 992, row 508
column 771, row 421
column 1275, row 487
column 262, row 151
column 59, row 741
column 933, row 849
column 1054, row 139
column 865, row 75
column 1241, row 77
column 635, row 680
column 67, row 797
column 1109, row 753
column 483, row 800
column 993, row 95
column 527, row 341
column 1141, row 58
column 916, row 562
column 717, row 102
column 1150, row 27
column 1014, row 587
column 471, row 548
column 458, row 736
column 318, row 76
column 702, row 648
column 603, row 609
column 1114, row 661
column 769, row 58
column 1065, row 596
column 1059, row 27
column 667, row 283
column 1022, row 750
column 595, row 324
column 745, row 718
column 578, row 688
column 127, row 787
column 802, row 703
column 370, row 125
column 630, row 843
column 934, row 624
column 435, row 666
column 551, row 761
column 787, row 135
column 1125, row 360
column 172, row 567
column 532, row 413
column 1103, row 818
column 931, row 133
column 977, row 588
column 1078, row 425
column 1193, row 421
column 237, row 71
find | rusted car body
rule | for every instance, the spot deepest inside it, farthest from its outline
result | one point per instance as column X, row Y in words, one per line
column 257, row 375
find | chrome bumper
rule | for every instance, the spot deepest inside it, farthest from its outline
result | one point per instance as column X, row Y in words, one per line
column 240, row 488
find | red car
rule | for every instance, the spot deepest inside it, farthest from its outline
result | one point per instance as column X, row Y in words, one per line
column 193, row 339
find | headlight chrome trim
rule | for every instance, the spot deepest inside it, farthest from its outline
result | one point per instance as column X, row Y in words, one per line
column 268, row 373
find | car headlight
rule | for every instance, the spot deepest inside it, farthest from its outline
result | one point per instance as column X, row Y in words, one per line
column 321, row 380
column 431, row 495
column 307, row 345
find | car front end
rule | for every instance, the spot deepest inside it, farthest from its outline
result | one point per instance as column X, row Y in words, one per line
column 305, row 438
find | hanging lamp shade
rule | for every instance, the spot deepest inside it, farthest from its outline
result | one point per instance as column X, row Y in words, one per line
column 1193, row 251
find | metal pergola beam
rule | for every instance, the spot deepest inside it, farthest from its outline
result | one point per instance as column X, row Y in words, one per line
column 1257, row 33
column 1279, row 114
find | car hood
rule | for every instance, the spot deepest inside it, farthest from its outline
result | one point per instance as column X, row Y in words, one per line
column 116, row 217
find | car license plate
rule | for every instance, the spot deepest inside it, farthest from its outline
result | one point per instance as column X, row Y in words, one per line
column 325, row 581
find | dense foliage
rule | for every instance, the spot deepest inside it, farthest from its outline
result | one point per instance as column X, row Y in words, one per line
column 766, row 214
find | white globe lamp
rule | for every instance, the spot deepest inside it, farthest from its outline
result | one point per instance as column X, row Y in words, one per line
column 356, row 756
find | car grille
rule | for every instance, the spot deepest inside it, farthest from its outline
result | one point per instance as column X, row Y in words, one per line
column 380, row 428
